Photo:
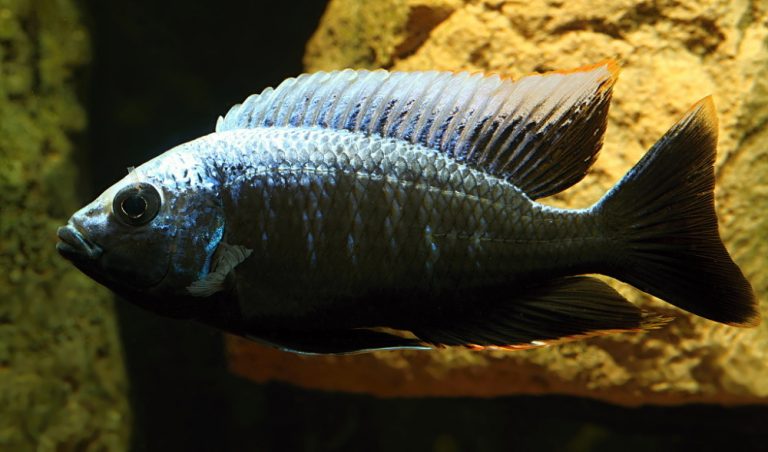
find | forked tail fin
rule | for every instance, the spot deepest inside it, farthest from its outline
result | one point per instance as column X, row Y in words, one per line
column 663, row 214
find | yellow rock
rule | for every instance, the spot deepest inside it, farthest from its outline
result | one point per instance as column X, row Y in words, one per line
column 62, row 381
column 673, row 53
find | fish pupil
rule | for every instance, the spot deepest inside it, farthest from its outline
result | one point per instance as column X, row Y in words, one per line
column 134, row 206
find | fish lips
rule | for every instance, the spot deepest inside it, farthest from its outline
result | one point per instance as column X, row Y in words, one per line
column 73, row 245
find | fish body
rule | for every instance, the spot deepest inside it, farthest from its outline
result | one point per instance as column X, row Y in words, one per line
column 358, row 211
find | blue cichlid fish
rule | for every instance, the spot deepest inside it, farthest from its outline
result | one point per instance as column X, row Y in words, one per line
column 365, row 210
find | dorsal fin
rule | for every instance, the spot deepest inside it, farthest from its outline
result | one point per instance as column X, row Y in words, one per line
column 541, row 133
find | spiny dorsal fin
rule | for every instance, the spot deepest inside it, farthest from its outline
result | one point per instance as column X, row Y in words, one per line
column 541, row 133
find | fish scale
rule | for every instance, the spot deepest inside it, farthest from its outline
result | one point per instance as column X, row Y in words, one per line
column 437, row 205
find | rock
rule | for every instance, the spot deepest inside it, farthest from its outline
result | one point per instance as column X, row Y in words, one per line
column 62, row 382
column 673, row 53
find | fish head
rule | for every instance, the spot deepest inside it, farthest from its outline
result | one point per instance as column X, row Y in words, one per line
column 147, row 238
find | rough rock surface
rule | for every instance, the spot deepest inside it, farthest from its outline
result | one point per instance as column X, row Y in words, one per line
column 62, row 383
column 673, row 53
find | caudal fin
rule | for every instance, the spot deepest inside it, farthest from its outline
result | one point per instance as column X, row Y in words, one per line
column 663, row 214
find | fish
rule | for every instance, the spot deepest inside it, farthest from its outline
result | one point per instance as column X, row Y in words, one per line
column 363, row 210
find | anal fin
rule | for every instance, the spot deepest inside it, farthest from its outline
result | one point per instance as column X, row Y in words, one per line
column 560, row 310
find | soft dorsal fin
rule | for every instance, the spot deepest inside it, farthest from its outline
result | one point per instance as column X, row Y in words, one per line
column 541, row 132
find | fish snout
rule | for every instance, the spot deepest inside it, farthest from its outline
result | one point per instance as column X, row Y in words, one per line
column 74, row 245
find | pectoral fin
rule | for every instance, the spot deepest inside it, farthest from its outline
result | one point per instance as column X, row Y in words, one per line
column 227, row 257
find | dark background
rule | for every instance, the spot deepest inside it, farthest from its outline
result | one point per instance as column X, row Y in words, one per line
column 162, row 73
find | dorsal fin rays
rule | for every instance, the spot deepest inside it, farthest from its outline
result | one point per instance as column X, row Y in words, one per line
column 356, row 98
column 418, row 126
column 456, row 130
column 406, row 118
column 541, row 133
column 445, row 117
column 374, row 118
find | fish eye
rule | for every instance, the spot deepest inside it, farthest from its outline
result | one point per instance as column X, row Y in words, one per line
column 136, row 205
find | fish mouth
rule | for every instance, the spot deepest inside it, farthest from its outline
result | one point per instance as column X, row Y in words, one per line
column 74, row 245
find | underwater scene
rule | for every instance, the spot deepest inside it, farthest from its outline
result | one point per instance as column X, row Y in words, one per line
column 473, row 225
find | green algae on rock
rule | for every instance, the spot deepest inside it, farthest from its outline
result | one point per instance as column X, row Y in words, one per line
column 672, row 53
column 62, row 382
